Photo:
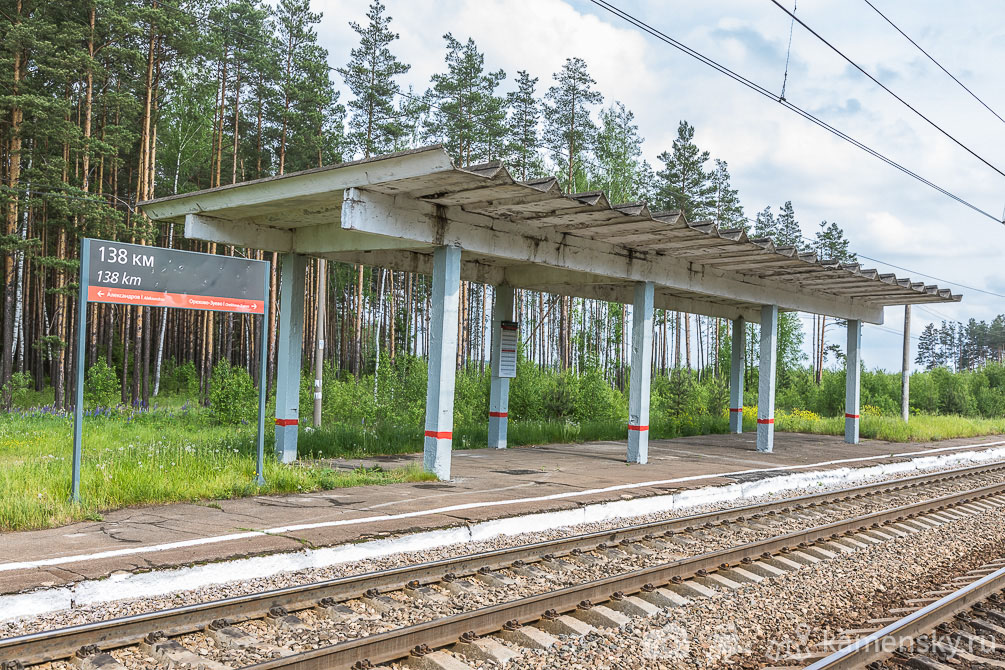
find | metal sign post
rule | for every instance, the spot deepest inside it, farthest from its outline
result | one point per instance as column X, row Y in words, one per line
column 132, row 274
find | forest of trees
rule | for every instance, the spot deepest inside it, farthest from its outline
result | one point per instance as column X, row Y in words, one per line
column 960, row 346
column 107, row 103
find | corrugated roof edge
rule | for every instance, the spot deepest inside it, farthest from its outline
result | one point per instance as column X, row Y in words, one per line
column 496, row 171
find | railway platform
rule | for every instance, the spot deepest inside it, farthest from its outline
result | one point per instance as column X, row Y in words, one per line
column 488, row 484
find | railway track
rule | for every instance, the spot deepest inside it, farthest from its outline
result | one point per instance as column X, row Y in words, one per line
column 664, row 581
column 964, row 627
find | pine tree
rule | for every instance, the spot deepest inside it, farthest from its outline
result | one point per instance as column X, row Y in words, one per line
column 465, row 113
column 619, row 169
column 374, row 126
column 684, row 183
column 728, row 212
column 831, row 244
column 764, row 224
column 787, row 230
column 302, row 60
column 569, row 131
column 928, row 347
column 523, row 128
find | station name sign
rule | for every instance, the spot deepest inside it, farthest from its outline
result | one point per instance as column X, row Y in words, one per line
column 132, row 274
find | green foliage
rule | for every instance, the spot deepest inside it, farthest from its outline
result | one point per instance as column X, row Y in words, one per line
column 373, row 125
column 569, row 131
column 14, row 392
column 466, row 114
column 684, row 184
column 101, row 388
column 180, row 380
column 232, row 396
column 619, row 169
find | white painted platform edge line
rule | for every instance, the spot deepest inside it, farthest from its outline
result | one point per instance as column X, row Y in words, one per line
column 112, row 553
column 126, row 586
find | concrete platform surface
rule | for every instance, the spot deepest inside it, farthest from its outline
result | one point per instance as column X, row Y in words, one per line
column 488, row 484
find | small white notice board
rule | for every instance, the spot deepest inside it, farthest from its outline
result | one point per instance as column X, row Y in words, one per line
column 509, row 333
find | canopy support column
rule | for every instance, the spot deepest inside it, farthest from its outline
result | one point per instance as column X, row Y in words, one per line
column 442, row 361
column 853, row 375
column 736, row 369
column 502, row 310
column 766, row 379
column 292, row 290
column 641, row 372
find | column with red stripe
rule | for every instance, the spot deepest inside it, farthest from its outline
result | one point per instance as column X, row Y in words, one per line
column 442, row 361
column 638, row 391
column 766, row 379
column 853, row 388
column 736, row 370
column 505, row 333
column 292, row 290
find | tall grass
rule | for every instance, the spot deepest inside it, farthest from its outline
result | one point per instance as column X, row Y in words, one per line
column 132, row 458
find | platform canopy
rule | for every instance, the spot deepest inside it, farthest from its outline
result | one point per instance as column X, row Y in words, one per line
column 392, row 211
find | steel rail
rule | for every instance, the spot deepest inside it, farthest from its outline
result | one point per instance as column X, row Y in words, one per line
column 396, row 644
column 123, row 631
column 901, row 633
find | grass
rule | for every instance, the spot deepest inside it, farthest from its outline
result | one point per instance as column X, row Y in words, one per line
column 920, row 427
column 176, row 452
column 135, row 458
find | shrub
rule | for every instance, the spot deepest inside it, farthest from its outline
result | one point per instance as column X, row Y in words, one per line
column 232, row 396
column 101, row 388
column 179, row 379
column 15, row 390
column 597, row 400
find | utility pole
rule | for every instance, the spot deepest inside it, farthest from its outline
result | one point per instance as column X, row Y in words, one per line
column 319, row 339
column 905, row 374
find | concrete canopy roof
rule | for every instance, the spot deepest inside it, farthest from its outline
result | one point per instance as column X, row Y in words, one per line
column 391, row 211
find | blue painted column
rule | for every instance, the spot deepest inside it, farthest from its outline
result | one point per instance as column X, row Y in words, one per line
column 641, row 373
column 292, row 290
column 736, row 369
column 853, row 387
column 502, row 310
column 766, row 379
column 442, row 361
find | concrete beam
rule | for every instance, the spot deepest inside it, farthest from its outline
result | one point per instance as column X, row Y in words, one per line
column 241, row 233
column 766, row 379
column 641, row 372
column 331, row 238
column 513, row 240
column 736, row 369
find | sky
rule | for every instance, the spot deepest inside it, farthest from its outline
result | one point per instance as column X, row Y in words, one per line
column 773, row 154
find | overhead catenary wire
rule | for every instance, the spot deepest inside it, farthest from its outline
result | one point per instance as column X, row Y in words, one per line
column 645, row 27
column 888, row 89
column 932, row 58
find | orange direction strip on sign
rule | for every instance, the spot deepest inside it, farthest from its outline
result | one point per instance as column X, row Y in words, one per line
column 130, row 296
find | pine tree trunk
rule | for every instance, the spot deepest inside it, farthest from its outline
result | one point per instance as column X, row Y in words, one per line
column 11, row 218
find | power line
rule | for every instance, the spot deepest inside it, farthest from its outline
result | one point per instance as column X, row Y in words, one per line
column 932, row 58
column 643, row 26
column 887, row 89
